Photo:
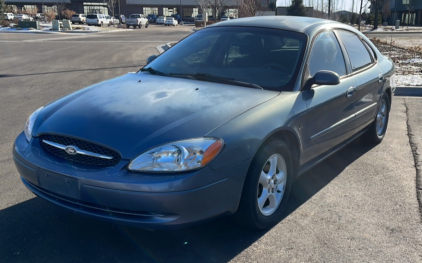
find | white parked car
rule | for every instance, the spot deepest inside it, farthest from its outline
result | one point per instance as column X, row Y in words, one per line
column 170, row 21
column 79, row 18
column 22, row 17
column 137, row 20
column 97, row 20
column 160, row 20
column 9, row 16
column 114, row 20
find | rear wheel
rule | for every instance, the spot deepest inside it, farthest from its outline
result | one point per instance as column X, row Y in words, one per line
column 267, row 187
column 376, row 132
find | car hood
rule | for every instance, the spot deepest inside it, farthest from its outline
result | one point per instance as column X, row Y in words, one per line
column 135, row 112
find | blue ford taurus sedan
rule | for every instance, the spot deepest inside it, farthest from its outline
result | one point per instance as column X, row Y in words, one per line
column 220, row 124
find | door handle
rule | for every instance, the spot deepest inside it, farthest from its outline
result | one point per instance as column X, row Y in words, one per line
column 350, row 92
column 380, row 78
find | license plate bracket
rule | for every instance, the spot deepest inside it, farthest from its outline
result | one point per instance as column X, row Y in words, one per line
column 59, row 184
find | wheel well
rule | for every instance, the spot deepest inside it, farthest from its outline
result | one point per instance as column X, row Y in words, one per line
column 293, row 143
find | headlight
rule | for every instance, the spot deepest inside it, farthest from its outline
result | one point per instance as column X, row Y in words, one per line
column 30, row 124
column 178, row 156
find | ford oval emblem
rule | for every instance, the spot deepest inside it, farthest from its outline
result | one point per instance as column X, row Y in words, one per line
column 71, row 150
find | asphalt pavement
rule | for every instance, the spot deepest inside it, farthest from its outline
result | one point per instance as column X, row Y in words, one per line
column 360, row 205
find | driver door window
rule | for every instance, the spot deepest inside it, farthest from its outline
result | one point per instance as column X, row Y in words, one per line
column 326, row 54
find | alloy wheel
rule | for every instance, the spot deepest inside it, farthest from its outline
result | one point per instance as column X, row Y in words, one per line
column 272, row 184
column 382, row 117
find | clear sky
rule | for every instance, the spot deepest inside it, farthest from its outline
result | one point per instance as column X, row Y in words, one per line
column 347, row 4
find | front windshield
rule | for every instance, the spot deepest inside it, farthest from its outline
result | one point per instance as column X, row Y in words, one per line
column 269, row 58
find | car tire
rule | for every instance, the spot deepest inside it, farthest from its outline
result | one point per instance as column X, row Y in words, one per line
column 376, row 131
column 267, row 186
column 147, row 25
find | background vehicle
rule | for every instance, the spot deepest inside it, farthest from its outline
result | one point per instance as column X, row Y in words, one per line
column 171, row 21
column 177, row 17
column 113, row 20
column 137, row 20
column 78, row 18
column 152, row 18
column 121, row 18
column 225, row 18
column 22, row 17
column 160, row 20
column 97, row 20
column 198, row 18
column 8, row 16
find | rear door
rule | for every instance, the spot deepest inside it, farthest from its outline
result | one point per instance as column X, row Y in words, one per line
column 368, row 76
column 330, row 113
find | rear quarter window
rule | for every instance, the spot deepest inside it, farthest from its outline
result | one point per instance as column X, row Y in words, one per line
column 358, row 54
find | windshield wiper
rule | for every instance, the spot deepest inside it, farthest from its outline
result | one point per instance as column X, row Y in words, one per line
column 183, row 76
column 212, row 78
column 153, row 71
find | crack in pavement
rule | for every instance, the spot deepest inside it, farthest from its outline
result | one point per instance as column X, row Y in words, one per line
column 415, row 154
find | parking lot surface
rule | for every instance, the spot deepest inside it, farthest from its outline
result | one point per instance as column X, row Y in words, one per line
column 360, row 205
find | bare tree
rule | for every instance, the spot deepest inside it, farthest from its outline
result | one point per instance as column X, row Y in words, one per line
column 61, row 6
column 204, row 4
column 222, row 6
column 248, row 8
column 67, row 13
column 50, row 15
column 32, row 12
column 111, row 4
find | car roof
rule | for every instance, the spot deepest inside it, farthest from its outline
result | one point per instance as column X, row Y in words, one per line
column 292, row 23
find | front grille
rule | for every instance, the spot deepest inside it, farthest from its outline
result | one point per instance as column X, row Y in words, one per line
column 83, row 145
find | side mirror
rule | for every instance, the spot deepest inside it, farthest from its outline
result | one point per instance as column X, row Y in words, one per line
column 326, row 77
column 151, row 58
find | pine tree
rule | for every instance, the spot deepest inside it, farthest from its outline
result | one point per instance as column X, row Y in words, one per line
column 2, row 9
column 296, row 9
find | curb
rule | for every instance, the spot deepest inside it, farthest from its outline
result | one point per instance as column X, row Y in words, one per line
column 408, row 91
column 63, row 32
column 391, row 32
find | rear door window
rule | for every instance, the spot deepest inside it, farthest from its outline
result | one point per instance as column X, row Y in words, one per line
column 358, row 54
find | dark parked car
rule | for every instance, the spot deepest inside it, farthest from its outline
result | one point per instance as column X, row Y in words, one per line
column 222, row 123
column 152, row 18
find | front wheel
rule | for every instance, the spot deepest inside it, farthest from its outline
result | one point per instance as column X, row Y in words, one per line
column 267, row 187
column 376, row 132
column 147, row 25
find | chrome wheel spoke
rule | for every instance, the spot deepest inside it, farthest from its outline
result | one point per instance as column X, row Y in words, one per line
column 272, row 202
column 262, row 199
column 273, row 166
column 264, row 179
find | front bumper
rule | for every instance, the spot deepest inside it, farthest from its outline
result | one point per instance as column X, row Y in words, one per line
column 117, row 195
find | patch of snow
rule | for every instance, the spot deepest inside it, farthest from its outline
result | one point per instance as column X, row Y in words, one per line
column 408, row 80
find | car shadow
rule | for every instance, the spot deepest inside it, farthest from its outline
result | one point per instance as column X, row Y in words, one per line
column 37, row 231
column 65, row 71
